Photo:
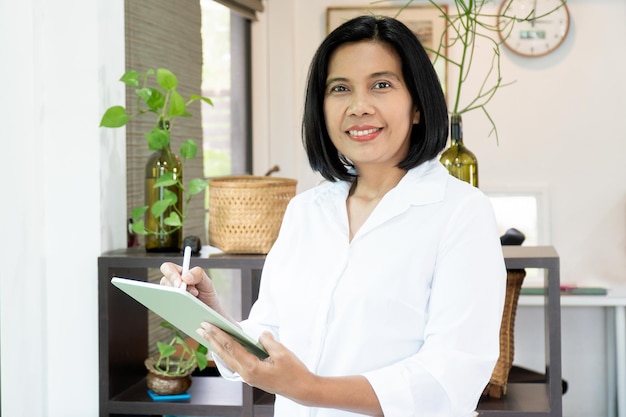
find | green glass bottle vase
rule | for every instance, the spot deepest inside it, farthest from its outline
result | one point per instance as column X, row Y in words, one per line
column 458, row 160
column 163, row 238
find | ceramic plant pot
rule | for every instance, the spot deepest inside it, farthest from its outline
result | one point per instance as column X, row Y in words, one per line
column 165, row 384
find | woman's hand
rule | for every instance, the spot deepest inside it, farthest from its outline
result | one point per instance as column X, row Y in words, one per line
column 281, row 373
column 198, row 284
column 284, row 374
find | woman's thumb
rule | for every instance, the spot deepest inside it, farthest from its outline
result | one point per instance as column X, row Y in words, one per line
column 269, row 342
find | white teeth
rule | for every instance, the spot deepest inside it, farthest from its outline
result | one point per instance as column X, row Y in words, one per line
column 363, row 132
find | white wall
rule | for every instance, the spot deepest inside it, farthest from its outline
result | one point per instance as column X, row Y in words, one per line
column 63, row 198
column 559, row 129
column 560, row 134
column 558, row 125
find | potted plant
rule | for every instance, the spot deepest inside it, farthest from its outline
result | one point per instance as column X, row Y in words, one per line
column 170, row 371
column 161, row 219
column 467, row 21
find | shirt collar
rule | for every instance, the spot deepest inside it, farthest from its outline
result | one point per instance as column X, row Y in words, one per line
column 422, row 185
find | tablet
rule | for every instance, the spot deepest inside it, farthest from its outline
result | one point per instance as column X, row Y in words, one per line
column 184, row 311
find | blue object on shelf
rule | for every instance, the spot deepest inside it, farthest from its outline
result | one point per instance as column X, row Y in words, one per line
column 176, row 397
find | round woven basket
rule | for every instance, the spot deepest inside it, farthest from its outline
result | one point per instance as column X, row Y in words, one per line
column 245, row 212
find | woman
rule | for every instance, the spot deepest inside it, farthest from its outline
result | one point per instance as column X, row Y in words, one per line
column 383, row 293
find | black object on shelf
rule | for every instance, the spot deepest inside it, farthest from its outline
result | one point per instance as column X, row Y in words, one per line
column 512, row 237
column 193, row 242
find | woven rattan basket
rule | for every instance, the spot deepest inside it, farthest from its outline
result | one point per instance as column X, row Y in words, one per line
column 245, row 212
column 498, row 382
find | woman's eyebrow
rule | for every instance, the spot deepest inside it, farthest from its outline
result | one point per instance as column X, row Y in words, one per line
column 336, row 80
column 384, row 74
column 380, row 74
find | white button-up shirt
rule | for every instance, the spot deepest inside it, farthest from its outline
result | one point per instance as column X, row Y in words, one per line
column 413, row 302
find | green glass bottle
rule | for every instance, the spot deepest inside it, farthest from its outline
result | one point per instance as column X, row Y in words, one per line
column 458, row 160
column 166, row 238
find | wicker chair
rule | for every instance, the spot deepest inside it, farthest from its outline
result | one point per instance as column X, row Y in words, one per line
column 498, row 382
column 504, row 371
column 514, row 278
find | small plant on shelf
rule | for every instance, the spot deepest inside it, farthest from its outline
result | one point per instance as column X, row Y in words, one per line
column 177, row 357
column 169, row 372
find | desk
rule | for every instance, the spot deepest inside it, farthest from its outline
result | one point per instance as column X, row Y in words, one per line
column 615, row 304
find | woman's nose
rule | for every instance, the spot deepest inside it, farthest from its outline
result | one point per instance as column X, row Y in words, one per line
column 360, row 104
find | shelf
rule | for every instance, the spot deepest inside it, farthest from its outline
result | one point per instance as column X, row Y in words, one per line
column 225, row 398
column 263, row 404
column 138, row 258
column 521, row 399
column 123, row 343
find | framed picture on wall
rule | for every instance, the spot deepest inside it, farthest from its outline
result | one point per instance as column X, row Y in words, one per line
column 426, row 22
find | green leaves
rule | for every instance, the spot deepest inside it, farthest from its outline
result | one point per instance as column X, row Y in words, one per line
column 157, row 97
column 138, row 225
column 165, row 350
column 158, row 139
column 159, row 207
column 168, row 203
column 166, row 80
column 189, row 149
column 131, row 78
column 197, row 185
column 114, row 117
column 152, row 98
column 200, row 354
column 177, row 105
column 177, row 357
column 161, row 99
column 169, row 198
column 173, row 220
column 195, row 97
column 166, row 180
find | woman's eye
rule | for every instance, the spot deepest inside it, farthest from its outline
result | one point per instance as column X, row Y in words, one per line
column 382, row 84
column 338, row 89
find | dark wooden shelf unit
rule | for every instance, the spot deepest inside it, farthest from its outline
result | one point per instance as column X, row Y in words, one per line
column 123, row 344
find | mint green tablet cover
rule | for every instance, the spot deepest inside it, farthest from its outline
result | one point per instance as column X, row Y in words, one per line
column 184, row 311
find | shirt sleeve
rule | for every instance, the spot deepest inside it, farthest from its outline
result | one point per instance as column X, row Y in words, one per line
column 461, row 341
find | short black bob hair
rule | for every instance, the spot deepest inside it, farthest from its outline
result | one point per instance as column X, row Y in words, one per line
column 428, row 138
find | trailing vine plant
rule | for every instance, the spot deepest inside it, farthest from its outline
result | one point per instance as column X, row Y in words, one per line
column 160, row 100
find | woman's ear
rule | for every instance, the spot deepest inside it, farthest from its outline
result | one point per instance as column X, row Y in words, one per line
column 416, row 117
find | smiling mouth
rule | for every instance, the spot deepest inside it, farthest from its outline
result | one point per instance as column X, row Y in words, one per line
column 358, row 133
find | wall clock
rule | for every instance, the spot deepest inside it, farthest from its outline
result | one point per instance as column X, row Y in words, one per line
column 543, row 32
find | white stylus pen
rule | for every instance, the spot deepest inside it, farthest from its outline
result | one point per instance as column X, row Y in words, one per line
column 186, row 260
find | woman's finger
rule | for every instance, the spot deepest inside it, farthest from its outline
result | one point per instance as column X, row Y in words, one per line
column 223, row 345
column 171, row 274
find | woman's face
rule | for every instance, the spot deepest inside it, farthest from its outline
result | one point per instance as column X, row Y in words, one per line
column 368, row 108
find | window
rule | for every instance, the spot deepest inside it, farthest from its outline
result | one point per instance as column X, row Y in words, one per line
column 208, row 48
column 183, row 33
column 226, row 125
column 225, row 79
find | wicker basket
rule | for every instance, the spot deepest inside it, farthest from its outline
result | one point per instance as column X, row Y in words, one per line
column 498, row 382
column 245, row 212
